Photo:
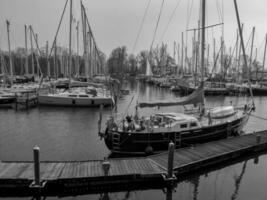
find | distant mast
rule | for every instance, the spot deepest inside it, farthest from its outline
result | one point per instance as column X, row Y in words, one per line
column 32, row 55
column 202, row 58
column 70, row 59
column 26, row 51
column 10, row 56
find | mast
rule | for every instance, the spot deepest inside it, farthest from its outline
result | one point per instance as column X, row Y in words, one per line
column 239, row 55
column 47, row 61
column 55, row 60
column 10, row 56
column 202, row 58
column 243, row 50
column 26, row 49
column 251, row 51
column 77, row 62
column 236, row 50
column 197, row 47
column 69, row 63
column 85, row 42
column 264, row 56
column 32, row 56
column 182, row 51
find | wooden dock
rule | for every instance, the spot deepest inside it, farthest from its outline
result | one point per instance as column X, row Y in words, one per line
column 60, row 178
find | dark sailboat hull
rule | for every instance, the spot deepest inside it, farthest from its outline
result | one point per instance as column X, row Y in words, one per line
column 7, row 101
column 148, row 143
column 259, row 91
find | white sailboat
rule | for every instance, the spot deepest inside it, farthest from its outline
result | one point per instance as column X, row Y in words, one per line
column 86, row 96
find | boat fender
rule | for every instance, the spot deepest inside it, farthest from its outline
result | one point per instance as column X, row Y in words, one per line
column 149, row 150
column 73, row 102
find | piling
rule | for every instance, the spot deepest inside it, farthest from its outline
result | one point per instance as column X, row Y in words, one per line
column 106, row 166
column 36, row 152
column 170, row 160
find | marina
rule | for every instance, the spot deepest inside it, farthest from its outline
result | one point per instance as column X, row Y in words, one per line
column 133, row 100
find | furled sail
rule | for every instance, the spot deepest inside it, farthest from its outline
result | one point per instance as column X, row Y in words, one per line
column 196, row 97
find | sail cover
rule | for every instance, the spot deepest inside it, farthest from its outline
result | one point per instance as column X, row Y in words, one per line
column 196, row 97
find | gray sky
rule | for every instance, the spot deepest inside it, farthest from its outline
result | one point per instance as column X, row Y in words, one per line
column 116, row 22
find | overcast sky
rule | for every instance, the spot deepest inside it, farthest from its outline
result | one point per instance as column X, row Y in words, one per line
column 116, row 22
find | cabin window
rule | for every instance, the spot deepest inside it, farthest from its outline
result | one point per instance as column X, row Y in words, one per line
column 71, row 95
column 183, row 125
column 193, row 124
column 83, row 95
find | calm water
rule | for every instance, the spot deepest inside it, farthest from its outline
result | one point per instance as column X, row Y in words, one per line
column 71, row 134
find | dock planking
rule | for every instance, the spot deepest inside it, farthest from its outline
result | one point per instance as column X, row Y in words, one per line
column 60, row 176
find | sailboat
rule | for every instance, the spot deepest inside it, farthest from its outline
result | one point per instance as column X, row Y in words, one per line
column 86, row 96
column 149, row 135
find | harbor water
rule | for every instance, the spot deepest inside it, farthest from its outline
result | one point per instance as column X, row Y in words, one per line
column 65, row 134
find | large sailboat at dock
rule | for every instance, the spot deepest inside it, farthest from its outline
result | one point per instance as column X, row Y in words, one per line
column 151, row 134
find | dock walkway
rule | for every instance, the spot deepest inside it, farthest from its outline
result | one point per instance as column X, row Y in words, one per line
column 59, row 177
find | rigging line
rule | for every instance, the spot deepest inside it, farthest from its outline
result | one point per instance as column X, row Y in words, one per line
column 258, row 117
column 61, row 18
column 170, row 19
column 141, row 26
column 219, row 11
column 91, row 33
column 188, row 20
column 154, row 35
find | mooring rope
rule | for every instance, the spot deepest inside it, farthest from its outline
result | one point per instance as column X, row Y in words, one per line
column 258, row 117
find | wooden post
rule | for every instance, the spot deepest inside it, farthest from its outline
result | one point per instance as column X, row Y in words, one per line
column 106, row 166
column 36, row 152
column 170, row 160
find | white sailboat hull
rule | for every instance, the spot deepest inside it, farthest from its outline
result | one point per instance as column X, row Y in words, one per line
column 70, row 101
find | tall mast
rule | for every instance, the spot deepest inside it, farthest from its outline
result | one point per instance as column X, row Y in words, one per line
column 243, row 50
column 69, row 63
column 32, row 54
column 85, row 43
column 47, row 60
column 26, row 52
column 77, row 32
column 251, row 51
column 10, row 59
column 264, row 57
column 55, row 60
column 182, row 51
column 203, row 18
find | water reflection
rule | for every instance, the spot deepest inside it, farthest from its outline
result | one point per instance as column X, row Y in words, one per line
column 238, row 180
